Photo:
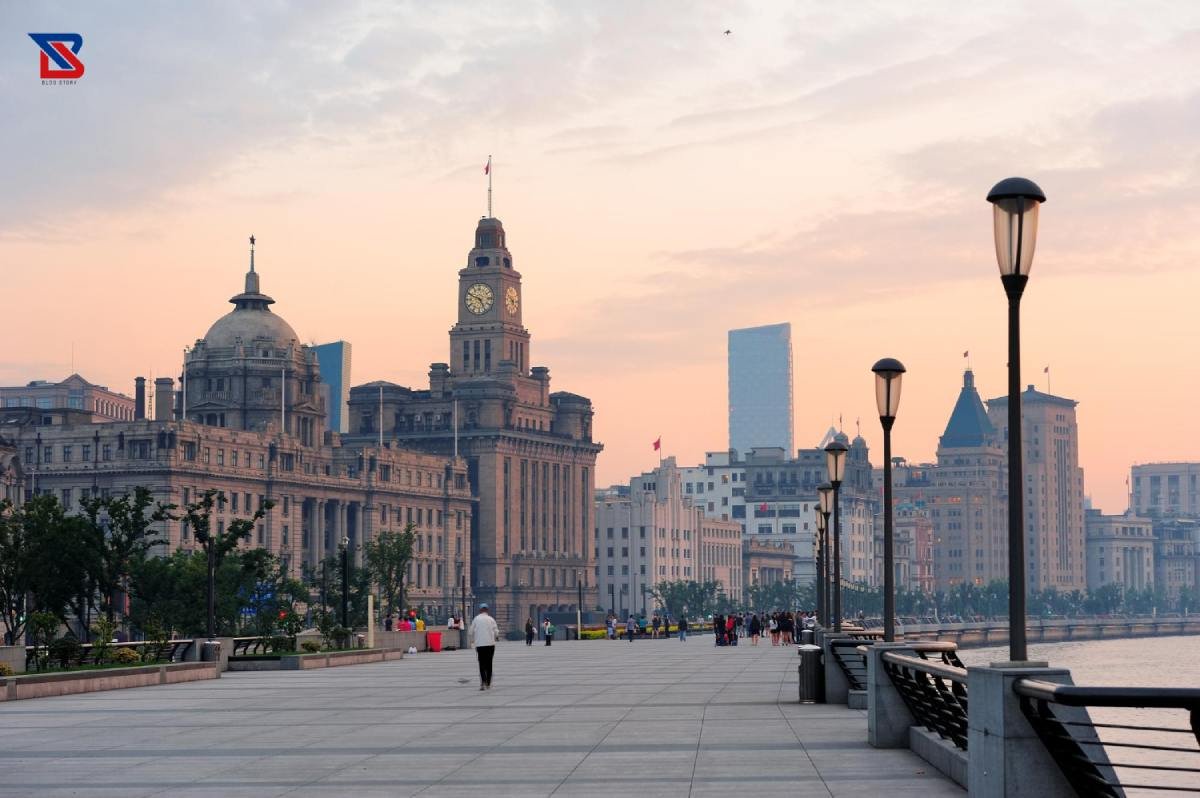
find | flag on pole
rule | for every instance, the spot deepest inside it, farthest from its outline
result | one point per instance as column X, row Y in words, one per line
column 658, row 443
column 763, row 507
column 966, row 354
column 1046, row 370
column 487, row 169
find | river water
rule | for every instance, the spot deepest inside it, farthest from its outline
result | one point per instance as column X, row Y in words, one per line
column 1139, row 662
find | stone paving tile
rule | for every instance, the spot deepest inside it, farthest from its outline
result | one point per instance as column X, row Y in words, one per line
column 654, row 718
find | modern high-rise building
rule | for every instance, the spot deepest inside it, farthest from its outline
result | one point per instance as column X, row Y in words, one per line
column 760, row 388
column 334, row 362
column 1055, row 550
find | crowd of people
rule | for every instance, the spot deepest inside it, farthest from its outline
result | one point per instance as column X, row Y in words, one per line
column 781, row 627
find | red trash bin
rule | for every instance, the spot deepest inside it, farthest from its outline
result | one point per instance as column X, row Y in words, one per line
column 435, row 640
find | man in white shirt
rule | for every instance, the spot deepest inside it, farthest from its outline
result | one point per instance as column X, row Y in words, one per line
column 484, row 633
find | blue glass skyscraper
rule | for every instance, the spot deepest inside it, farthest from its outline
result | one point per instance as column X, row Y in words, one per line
column 760, row 388
column 334, row 361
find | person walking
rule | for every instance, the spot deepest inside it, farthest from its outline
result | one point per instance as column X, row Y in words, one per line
column 611, row 624
column 773, row 626
column 484, row 634
column 529, row 631
column 731, row 630
column 667, row 625
column 682, row 629
column 630, row 627
column 654, row 627
column 549, row 632
column 755, row 629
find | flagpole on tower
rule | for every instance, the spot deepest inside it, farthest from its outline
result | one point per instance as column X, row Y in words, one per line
column 487, row 170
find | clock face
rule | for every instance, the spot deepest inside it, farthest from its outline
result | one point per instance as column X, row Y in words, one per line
column 479, row 298
column 511, row 300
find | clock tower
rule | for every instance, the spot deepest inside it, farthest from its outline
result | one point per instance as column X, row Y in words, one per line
column 489, row 329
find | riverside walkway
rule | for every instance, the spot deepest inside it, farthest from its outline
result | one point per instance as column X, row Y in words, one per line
column 597, row 718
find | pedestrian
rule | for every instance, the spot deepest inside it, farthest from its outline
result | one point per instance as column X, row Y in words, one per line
column 654, row 627
column 718, row 626
column 549, row 632
column 630, row 627
column 611, row 624
column 667, row 625
column 731, row 630
column 682, row 629
column 773, row 627
column 755, row 629
column 485, row 633
column 529, row 631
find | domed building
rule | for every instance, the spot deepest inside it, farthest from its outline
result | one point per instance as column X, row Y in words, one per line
column 251, row 372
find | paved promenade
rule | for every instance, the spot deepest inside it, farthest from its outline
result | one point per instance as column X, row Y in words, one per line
column 650, row 718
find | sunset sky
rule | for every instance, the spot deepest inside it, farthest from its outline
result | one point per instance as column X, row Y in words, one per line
column 661, row 182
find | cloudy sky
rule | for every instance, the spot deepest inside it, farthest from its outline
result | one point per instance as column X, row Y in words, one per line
column 661, row 183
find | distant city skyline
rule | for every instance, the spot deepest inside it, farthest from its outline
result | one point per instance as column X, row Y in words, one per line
column 664, row 183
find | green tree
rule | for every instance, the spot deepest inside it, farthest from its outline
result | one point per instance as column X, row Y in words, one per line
column 388, row 556
column 218, row 542
column 687, row 596
column 62, row 559
column 122, row 534
column 15, row 576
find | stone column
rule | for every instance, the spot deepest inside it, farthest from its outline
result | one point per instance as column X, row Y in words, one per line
column 321, row 533
column 1007, row 760
column 888, row 718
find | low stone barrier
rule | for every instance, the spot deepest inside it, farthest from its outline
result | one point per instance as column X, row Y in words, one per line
column 322, row 659
column 41, row 685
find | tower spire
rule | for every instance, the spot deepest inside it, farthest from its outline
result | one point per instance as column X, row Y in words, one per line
column 487, row 170
column 251, row 252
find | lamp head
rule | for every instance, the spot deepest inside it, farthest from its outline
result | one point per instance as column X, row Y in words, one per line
column 1015, row 203
column 835, row 461
column 888, row 373
column 825, row 493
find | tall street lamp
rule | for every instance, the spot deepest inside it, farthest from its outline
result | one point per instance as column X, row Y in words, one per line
column 822, row 579
column 888, row 373
column 579, row 606
column 1015, row 203
column 835, row 462
column 346, row 583
column 825, row 492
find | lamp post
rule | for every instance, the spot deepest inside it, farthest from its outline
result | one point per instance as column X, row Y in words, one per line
column 822, row 580
column 835, row 462
column 579, row 606
column 612, row 601
column 825, row 492
column 643, row 599
column 346, row 583
column 1015, row 203
column 888, row 373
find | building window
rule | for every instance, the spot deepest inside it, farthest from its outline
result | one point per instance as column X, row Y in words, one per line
column 220, row 457
column 207, row 456
column 67, row 454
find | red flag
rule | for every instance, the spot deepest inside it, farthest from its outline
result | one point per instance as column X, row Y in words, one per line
column 966, row 354
column 1046, row 370
column 658, row 443
column 762, row 507
column 487, row 169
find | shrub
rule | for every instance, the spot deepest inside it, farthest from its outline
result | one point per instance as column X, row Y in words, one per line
column 594, row 634
column 310, row 646
column 340, row 636
column 102, row 635
column 126, row 656
column 6, row 670
column 65, row 651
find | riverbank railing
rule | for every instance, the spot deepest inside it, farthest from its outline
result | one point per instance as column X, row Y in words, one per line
column 1144, row 757
column 934, row 691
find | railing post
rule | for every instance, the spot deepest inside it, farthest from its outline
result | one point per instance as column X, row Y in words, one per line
column 837, row 689
column 1006, row 757
column 888, row 718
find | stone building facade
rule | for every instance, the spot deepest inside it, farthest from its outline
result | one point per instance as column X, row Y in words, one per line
column 1165, row 490
column 765, row 562
column 73, row 393
column 649, row 531
column 1056, row 555
column 1177, row 556
column 529, row 451
column 254, row 429
column 1120, row 551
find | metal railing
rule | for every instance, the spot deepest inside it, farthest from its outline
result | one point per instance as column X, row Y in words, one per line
column 88, row 653
column 934, row 692
column 851, row 661
column 1147, row 757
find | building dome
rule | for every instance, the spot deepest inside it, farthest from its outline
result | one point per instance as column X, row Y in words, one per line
column 251, row 319
column 243, row 326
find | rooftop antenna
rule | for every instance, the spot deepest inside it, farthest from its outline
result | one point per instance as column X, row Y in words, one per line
column 487, row 170
column 252, row 252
